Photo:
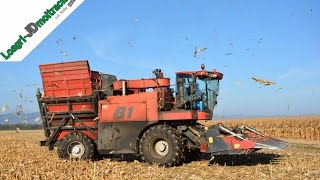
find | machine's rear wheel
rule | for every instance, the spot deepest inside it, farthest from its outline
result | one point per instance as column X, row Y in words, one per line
column 162, row 145
column 76, row 145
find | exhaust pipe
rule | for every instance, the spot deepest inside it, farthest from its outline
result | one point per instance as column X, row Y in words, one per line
column 123, row 88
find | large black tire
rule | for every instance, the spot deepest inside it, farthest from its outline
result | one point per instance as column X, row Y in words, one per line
column 162, row 145
column 76, row 145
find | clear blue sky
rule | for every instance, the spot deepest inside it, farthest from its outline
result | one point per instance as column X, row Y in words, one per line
column 273, row 40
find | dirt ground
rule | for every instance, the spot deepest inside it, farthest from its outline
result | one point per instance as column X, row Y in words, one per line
column 21, row 157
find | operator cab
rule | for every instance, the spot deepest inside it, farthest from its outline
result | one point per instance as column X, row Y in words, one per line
column 197, row 90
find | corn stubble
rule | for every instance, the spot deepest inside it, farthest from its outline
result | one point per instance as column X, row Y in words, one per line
column 22, row 158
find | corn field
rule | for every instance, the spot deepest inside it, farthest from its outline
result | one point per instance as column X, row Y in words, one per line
column 21, row 157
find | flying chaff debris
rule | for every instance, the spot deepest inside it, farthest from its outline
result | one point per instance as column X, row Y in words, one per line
column 263, row 81
column 197, row 50
column 5, row 108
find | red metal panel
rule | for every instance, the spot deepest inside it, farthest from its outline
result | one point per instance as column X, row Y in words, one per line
column 62, row 134
column 82, row 106
column 69, row 79
column 239, row 144
column 184, row 115
column 178, row 115
column 63, row 107
column 204, row 115
column 123, row 112
column 152, row 106
column 87, row 122
column 63, row 70
column 59, row 72
column 135, row 107
column 70, row 83
column 65, row 76
column 143, row 83
column 57, row 107
column 47, row 67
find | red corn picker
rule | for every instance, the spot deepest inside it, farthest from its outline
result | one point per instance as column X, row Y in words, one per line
column 86, row 113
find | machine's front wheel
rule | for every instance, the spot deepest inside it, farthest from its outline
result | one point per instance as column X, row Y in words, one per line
column 76, row 145
column 162, row 145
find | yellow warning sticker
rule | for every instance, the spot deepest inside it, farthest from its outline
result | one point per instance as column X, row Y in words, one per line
column 236, row 146
column 210, row 140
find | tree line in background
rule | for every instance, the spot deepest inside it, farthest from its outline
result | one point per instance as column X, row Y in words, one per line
column 20, row 126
